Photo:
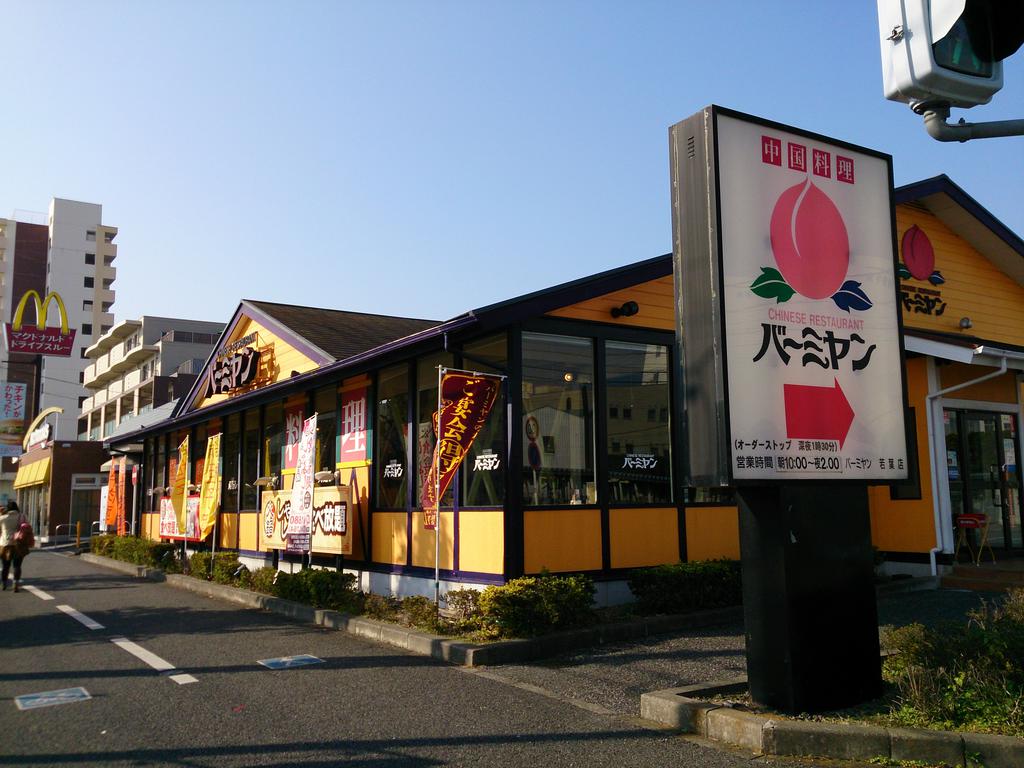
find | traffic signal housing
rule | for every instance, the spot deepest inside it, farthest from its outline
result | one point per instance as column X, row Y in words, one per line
column 947, row 52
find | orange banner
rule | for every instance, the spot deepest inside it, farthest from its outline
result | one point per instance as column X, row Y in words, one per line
column 112, row 495
column 466, row 402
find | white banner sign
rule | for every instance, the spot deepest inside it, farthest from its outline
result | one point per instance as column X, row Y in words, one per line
column 301, row 514
column 811, row 317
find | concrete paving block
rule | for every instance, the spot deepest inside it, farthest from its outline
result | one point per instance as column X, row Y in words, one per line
column 846, row 742
column 364, row 628
column 932, row 747
column 423, row 644
column 993, row 751
column 505, row 652
column 741, row 728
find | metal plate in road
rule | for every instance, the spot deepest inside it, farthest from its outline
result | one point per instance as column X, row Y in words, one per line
column 51, row 698
column 287, row 662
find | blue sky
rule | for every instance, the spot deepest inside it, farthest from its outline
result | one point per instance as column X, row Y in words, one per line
column 423, row 158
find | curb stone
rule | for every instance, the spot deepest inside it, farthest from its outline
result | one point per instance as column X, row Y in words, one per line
column 437, row 646
column 767, row 735
column 458, row 651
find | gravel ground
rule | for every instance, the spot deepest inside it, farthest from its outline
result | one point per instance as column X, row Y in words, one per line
column 613, row 676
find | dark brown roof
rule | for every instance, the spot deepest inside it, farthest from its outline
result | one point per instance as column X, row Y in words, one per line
column 342, row 334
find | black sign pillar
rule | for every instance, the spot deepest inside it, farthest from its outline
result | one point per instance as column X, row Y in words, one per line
column 809, row 597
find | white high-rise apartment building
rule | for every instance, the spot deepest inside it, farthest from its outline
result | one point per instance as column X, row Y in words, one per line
column 70, row 252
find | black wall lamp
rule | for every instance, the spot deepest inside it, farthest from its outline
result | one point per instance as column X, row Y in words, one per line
column 628, row 309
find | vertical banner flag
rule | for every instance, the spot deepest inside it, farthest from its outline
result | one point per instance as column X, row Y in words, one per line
column 466, row 402
column 122, row 506
column 178, row 494
column 12, row 417
column 300, row 521
column 209, row 492
column 112, row 496
column 292, row 435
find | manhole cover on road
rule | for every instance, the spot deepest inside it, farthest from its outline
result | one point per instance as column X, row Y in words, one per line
column 51, row 698
column 287, row 662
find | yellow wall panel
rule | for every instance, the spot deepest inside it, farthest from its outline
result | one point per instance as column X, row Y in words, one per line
column 481, row 541
column 358, row 479
column 248, row 531
column 1002, row 389
column 562, row 540
column 423, row 541
column 974, row 287
column 150, row 526
column 907, row 526
column 712, row 533
column 277, row 359
column 656, row 300
column 390, row 542
column 227, row 530
column 643, row 537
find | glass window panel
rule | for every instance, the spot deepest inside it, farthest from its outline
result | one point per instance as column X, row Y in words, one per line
column 558, row 420
column 326, row 403
column 273, row 440
column 392, row 474
column 639, row 450
column 483, row 473
column 426, row 406
column 230, row 445
column 250, row 459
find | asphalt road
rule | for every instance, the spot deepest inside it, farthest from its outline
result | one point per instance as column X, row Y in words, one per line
column 366, row 704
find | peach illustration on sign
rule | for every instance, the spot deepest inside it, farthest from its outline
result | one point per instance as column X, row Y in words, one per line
column 811, row 249
column 918, row 257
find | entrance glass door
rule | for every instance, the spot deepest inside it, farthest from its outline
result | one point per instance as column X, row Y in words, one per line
column 984, row 478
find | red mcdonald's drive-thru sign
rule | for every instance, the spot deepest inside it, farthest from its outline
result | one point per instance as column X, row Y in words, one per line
column 40, row 339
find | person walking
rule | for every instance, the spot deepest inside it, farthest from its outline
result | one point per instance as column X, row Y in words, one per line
column 12, row 551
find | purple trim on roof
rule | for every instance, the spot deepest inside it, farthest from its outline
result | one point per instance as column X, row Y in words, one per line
column 911, row 193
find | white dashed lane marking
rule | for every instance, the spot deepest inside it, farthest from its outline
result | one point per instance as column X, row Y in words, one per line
column 80, row 617
column 150, row 658
column 37, row 592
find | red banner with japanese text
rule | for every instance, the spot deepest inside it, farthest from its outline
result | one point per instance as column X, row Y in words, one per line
column 122, row 503
column 466, row 402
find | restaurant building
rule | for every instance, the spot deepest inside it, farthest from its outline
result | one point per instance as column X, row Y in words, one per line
column 578, row 467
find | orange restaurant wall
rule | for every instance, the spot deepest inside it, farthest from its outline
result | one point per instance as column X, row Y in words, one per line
column 227, row 530
column 248, row 531
column 274, row 367
column 907, row 526
column 481, row 541
column 656, row 300
column 974, row 287
column 423, row 541
column 562, row 540
column 712, row 533
column 390, row 542
column 1002, row 389
column 646, row 536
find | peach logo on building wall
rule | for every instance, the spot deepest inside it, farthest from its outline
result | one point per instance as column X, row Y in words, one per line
column 41, row 339
column 918, row 257
column 812, row 251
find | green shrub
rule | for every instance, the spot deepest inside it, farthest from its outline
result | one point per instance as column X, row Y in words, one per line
column 260, row 580
column 320, row 589
column 220, row 567
column 381, row 607
column 132, row 549
column 687, row 587
column 968, row 676
column 420, row 612
column 533, row 605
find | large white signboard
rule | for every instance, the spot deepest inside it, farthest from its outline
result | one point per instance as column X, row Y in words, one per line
column 815, row 384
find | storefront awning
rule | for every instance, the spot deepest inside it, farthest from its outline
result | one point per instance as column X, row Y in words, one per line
column 965, row 352
column 36, row 473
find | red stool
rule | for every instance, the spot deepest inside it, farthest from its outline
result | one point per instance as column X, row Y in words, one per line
column 977, row 522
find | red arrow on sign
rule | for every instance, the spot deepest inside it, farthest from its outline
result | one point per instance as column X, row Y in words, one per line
column 817, row 413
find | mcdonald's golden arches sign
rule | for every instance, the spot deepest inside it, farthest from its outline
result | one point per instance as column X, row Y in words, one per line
column 40, row 339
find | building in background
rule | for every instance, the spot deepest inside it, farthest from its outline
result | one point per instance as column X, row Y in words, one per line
column 141, row 364
column 69, row 252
